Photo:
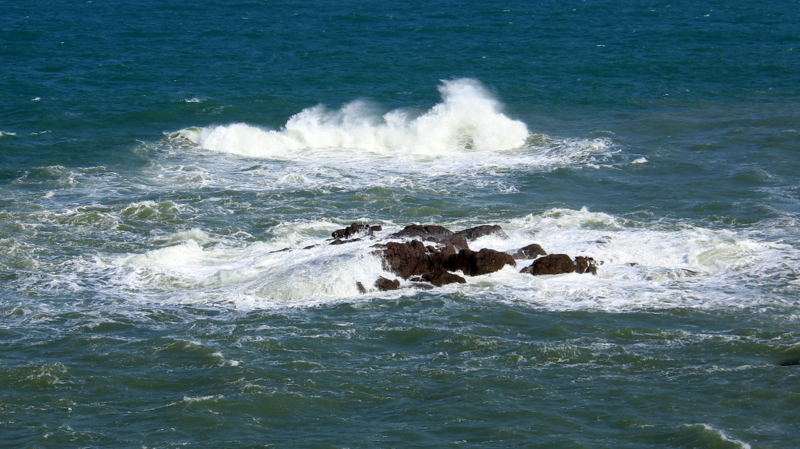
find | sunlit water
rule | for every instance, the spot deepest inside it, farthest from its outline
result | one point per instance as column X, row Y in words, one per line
column 172, row 172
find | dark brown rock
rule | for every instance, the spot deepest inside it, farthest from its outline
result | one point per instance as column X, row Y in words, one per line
column 416, row 230
column 476, row 263
column 383, row 284
column 441, row 277
column 340, row 241
column 446, row 246
column 408, row 259
column 529, row 252
column 414, row 257
column 585, row 265
column 553, row 264
column 352, row 230
column 361, row 288
column 422, row 286
column 481, row 231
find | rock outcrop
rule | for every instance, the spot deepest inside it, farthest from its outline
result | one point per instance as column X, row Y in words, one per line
column 441, row 277
column 561, row 264
column 531, row 251
column 482, row 231
column 383, row 284
column 431, row 255
column 342, row 235
column 585, row 265
column 407, row 259
column 416, row 230
column 476, row 263
column 445, row 252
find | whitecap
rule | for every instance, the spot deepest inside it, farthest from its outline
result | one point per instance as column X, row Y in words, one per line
column 208, row 398
column 467, row 119
column 720, row 435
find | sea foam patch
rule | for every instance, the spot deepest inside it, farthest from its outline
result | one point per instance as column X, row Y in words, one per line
column 641, row 266
column 465, row 141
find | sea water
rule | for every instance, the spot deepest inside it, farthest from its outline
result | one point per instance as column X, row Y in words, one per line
column 171, row 173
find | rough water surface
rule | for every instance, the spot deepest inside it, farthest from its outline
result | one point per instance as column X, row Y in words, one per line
column 171, row 174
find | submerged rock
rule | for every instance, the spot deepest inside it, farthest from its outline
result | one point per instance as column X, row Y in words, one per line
column 442, row 277
column 416, row 230
column 531, row 251
column 340, row 241
column 354, row 230
column 482, row 231
column 383, row 284
column 585, row 265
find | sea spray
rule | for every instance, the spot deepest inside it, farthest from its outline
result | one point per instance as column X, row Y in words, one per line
column 467, row 119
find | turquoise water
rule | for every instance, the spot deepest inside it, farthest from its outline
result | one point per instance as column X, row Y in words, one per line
column 156, row 156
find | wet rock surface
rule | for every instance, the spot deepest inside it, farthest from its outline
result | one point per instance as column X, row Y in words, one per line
column 531, row 251
column 482, row 231
column 442, row 277
column 476, row 263
column 430, row 256
column 383, row 284
column 561, row 264
column 354, row 230
column 435, row 254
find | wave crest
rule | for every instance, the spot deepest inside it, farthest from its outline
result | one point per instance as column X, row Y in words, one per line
column 469, row 118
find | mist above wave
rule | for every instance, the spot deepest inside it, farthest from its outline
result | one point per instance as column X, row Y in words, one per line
column 469, row 118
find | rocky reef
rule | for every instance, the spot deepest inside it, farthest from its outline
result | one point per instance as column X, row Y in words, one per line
column 432, row 256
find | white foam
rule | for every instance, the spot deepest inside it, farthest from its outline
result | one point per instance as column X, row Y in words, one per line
column 464, row 142
column 255, row 276
column 645, row 265
column 215, row 397
column 349, row 170
column 642, row 266
column 467, row 119
column 720, row 435
column 7, row 133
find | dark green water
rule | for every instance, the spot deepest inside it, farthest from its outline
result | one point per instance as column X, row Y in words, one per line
column 154, row 157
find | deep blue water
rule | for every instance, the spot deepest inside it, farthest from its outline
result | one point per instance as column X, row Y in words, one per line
column 155, row 156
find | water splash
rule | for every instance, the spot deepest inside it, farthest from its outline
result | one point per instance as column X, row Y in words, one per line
column 469, row 118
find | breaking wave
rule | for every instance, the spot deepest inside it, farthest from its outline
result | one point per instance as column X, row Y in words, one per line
column 469, row 118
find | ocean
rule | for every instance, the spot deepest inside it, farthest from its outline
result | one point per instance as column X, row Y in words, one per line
column 171, row 174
